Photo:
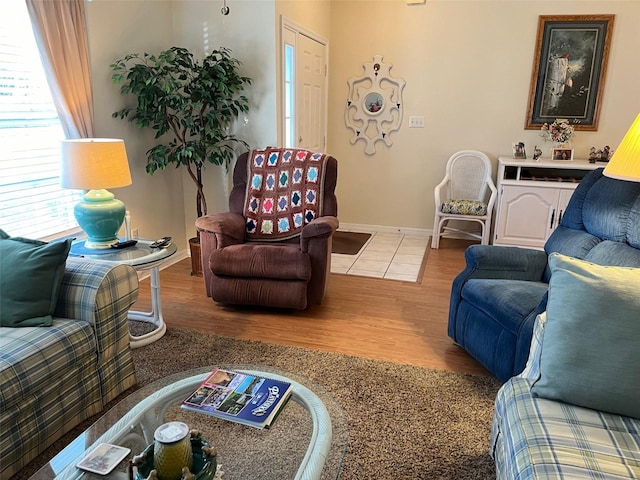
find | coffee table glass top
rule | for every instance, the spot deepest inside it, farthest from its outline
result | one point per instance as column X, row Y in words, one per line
column 308, row 440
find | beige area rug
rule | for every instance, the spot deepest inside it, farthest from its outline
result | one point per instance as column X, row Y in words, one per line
column 405, row 422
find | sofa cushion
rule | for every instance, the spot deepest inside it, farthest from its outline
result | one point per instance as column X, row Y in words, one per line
column 253, row 260
column 610, row 209
column 31, row 356
column 590, row 353
column 537, row 438
column 615, row 254
column 30, row 275
column 464, row 207
column 573, row 243
column 508, row 301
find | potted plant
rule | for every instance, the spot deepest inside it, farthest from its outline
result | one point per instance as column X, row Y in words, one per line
column 191, row 105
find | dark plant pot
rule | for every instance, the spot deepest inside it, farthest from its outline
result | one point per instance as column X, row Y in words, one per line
column 196, row 260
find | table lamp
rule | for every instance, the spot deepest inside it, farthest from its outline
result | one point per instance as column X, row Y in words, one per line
column 625, row 161
column 95, row 164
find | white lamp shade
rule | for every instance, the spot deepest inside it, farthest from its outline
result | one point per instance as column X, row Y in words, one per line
column 94, row 163
column 625, row 161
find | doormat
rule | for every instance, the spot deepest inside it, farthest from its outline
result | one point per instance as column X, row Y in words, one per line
column 349, row 243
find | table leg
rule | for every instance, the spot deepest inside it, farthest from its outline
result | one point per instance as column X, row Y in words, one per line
column 154, row 316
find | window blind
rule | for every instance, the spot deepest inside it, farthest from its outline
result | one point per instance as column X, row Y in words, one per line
column 32, row 203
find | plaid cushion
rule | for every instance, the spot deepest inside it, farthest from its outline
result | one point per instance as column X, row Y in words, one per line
column 532, row 368
column 536, row 438
column 31, row 357
column 41, row 418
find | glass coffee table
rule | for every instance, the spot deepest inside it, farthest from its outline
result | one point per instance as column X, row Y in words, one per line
column 308, row 440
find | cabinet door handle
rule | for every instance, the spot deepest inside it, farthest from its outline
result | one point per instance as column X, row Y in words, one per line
column 560, row 217
column 553, row 215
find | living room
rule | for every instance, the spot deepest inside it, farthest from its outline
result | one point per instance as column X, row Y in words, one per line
column 467, row 67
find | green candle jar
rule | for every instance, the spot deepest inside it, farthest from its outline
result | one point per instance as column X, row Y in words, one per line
column 172, row 450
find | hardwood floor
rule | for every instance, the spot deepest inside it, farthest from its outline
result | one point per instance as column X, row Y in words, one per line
column 373, row 318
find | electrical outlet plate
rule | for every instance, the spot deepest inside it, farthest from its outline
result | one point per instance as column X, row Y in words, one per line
column 416, row 122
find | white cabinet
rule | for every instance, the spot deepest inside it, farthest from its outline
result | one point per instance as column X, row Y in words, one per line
column 532, row 197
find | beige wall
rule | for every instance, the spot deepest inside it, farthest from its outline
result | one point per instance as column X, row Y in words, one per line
column 467, row 65
column 117, row 28
column 249, row 31
column 314, row 15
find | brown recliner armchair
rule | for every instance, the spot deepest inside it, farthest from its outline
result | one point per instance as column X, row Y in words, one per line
column 273, row 248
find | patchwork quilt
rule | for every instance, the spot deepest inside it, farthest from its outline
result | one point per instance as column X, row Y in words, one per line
column 284, row 192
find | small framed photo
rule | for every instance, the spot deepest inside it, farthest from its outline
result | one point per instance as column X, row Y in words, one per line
column 562, row 154
column 518, row 150
column 104, row 458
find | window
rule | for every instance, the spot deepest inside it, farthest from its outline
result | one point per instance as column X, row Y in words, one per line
column 288, row 97
column 288, row 114
column 32, row 203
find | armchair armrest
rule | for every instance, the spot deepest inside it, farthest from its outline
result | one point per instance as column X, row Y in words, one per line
column 218, row 231
column 102, row 294
column 227, row 227
column 315, row 240
column 322, row 227
column 513, row 263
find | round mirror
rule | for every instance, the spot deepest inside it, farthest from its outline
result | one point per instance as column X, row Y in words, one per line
column 373, row 103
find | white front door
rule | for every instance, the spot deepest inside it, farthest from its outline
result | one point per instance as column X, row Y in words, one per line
column 304, row 89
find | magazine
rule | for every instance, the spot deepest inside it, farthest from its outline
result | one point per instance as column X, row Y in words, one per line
column 240, row 397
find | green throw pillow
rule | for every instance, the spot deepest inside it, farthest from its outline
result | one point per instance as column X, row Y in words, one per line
column 30, row 276
column 590, row 346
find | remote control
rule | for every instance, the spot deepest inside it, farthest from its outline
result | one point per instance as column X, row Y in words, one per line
column 124, row 244
column 161, row 242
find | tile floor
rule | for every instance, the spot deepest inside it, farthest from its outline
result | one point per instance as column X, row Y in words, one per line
column 395, row 256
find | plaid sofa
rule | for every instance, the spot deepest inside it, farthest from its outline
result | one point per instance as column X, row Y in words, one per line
column 537, row 438
column 53, row 378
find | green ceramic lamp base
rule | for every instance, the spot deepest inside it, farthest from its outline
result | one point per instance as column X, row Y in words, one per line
column 100, row 215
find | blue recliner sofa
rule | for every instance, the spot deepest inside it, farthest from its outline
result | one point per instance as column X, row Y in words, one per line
column 496, row 298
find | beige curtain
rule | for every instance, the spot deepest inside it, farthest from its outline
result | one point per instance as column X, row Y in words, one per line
column 60, row 29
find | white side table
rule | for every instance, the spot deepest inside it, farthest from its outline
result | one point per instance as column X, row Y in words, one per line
column 141, row 257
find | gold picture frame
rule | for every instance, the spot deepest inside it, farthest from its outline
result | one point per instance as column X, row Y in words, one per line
column 569, row 70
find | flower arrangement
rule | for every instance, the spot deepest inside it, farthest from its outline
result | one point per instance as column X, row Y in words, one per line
column 560, row 131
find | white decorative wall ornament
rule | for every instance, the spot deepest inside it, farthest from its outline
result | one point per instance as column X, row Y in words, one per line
column 374, row 106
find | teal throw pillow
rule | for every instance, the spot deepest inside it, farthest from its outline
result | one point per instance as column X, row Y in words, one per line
column 590, row 345
column 30, row 276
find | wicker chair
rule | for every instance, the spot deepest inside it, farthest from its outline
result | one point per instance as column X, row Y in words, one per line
column 466, row 193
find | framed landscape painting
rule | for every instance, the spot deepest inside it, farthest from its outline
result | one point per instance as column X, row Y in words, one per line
column 569, row 68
